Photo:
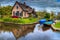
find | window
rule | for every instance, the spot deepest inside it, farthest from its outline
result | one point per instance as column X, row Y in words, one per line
column 21, row 14
column 16, row 7
column 17, row 13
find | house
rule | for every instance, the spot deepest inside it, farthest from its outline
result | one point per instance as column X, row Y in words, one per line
column 22, row 10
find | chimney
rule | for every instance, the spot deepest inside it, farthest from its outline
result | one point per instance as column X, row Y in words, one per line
column 24, row 3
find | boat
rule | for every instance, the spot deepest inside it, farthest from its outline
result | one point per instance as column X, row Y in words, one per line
column 45, row 22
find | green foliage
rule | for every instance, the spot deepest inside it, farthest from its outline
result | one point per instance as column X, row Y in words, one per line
column 52, row 15
column 5, row 10
column 43, row 14
column 47, row 16
column 40, row 15
column 58, row 15
column 13, row 20
column 7, row 19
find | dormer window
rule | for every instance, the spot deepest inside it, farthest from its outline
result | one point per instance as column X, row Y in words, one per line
column 16, row 7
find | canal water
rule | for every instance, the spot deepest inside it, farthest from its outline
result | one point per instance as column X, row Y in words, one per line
column 37, row 34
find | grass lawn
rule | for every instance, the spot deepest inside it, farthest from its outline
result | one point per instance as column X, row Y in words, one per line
column 57, row 25
column 19, row 20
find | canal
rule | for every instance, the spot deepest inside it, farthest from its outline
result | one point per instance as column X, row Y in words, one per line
column 39, row 33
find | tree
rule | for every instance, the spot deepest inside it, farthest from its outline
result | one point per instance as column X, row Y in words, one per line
column 58, row 16
column 52, row 15
column 47, row 16
column 41, row 14
column 6, row 10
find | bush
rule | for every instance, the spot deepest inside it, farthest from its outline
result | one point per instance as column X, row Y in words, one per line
column 17, row 20
column 7, row 19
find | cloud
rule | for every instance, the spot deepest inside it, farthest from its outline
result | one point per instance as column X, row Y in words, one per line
column 48, row 5
column 39, row 3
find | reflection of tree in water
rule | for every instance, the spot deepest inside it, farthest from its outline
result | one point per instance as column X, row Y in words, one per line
column 8, row 27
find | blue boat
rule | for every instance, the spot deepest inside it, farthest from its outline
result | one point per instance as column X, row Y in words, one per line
column 42, row 21
column 46, row 23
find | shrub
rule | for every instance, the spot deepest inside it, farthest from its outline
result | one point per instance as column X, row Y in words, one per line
column 7, row 19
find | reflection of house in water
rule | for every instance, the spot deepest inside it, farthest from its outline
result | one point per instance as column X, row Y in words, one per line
column 21, row 32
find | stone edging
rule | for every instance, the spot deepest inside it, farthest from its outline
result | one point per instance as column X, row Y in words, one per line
column 54, row 27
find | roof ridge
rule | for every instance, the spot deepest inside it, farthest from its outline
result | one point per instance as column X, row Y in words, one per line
column 22, row 4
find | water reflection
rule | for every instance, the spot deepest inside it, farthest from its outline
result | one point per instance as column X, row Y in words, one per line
column 6, row 35
column 39, row 33
column 19, row 32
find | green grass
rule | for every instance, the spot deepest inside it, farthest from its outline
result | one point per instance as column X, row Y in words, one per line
column 1, row 20
column 57, row 25
column 19, row 20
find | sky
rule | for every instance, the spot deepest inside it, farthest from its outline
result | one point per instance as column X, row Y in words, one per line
column 39, row 5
